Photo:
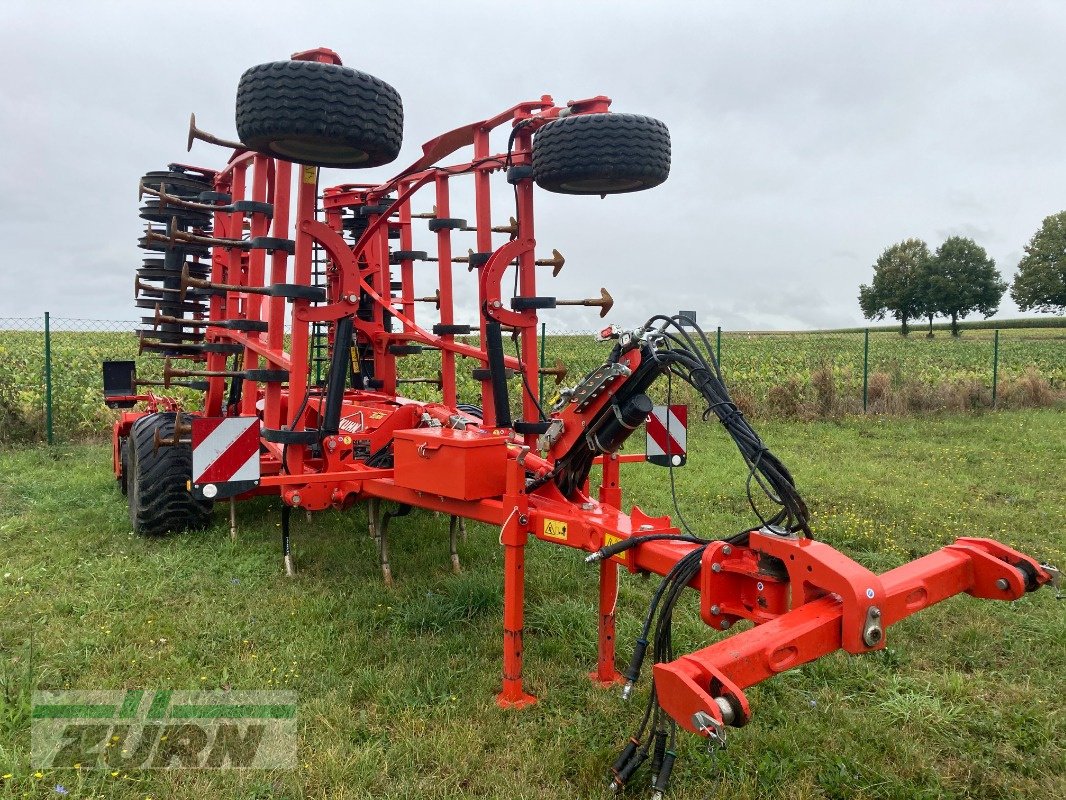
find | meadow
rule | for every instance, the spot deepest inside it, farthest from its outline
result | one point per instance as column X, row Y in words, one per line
column 396, row 685
column 786, row 375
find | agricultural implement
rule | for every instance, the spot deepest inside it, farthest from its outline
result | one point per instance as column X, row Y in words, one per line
column 291, row 308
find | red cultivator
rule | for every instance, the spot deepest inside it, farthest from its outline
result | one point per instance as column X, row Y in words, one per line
column 290, row 308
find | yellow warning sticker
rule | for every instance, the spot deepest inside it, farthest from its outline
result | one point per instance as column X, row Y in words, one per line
column 310, row 174
column 609, row 539
column 555, row 529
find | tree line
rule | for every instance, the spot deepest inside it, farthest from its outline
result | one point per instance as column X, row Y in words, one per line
column 911, row 283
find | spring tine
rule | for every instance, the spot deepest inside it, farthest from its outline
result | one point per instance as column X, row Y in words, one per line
column 555, row 262
column 559, row 371
column 198, row 133
column 604, row 301
column 453, row 542
column 434, row 298
column 511, row 228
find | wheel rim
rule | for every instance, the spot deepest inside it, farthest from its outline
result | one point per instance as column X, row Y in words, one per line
column 302, row 151
column 602, row 185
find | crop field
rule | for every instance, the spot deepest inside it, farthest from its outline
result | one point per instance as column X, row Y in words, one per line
column 791, row 375
column 395, row 686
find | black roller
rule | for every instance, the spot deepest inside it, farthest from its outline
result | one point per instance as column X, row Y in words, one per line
column 498, row 373
column 186, row 217
column 180, row 184
column 339, row 367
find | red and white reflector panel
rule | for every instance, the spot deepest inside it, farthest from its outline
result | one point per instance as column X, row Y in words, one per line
column 225, row 455
column 667, row 435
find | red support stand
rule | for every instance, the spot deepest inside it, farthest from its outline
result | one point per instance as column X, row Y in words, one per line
column 514, row 535
column 605, row 673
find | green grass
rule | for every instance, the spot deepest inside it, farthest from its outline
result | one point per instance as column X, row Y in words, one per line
column 396, row 686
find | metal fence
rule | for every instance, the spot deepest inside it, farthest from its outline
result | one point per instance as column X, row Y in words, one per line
column 50, row 374
column 825, row 373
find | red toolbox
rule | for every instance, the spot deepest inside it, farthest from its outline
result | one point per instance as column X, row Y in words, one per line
column 450, row 463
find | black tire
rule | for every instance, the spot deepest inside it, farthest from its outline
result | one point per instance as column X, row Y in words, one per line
column 159, row 496
column 325, row 115
column 601, row 154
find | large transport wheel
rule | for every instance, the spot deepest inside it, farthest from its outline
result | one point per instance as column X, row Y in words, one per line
column 601, row 154
column 320, row 114
column 158, row 480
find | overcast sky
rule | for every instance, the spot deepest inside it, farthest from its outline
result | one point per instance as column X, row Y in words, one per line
column 806, row 136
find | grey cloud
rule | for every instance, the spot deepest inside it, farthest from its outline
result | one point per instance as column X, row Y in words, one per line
column 807, row 137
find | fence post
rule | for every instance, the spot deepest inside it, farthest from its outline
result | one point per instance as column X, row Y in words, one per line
column 718, row 347
column 995, row 365
column 540, row 385
column 47, row 377
column 865, row 368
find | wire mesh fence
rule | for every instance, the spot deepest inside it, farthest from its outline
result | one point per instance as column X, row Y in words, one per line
column 50, row 371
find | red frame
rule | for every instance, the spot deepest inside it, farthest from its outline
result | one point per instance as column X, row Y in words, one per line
column 824, row 604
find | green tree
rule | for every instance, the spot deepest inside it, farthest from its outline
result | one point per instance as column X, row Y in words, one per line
column 1041, row 280
column 897, row 287
column 924, row 290
column 964, row 279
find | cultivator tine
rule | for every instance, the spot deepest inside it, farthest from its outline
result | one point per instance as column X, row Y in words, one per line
column 434, row 298
column 164, row 339
column 559, row 371
column 158, row 441
column 511, row 228
column 169, row 373
column 172, row 350
column 372, row 514
column 180, row 430
column 233, row 519
column 162, row 319
column 232, row 324
column 152, row 235
column 286, row 548
column 454, row 259
column 142, row 286
column 188, row 281
column 454, row 525
column 177, row 236
column 258, row 375
column 166, row 199
column 604, row 301
column 556, row 263
column 380, row 528
column 198, row 133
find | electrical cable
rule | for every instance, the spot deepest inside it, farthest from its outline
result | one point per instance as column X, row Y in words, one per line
column 673, row 351
column 525, row 382
column 680, row 355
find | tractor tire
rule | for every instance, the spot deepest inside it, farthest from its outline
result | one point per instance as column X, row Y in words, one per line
column 324, row 115
column 601, row 154
column 158, row 495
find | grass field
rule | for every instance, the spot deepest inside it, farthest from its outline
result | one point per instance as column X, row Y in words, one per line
column 396, row 686
column 791, row 375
